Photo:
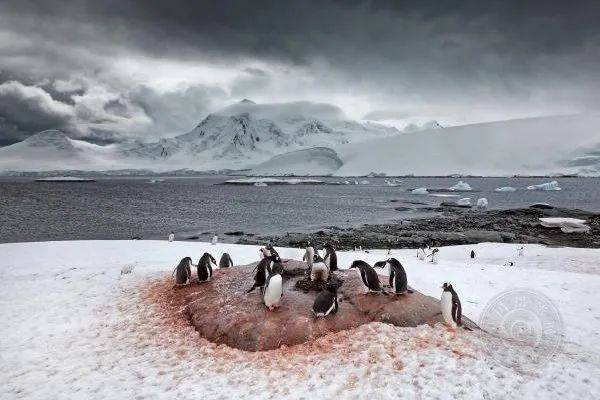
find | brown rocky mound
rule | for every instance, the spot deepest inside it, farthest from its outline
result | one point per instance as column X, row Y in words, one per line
column 222, row 312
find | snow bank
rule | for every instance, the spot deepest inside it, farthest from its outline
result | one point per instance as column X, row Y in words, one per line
column 74, row 326
column 545, row 186
column 567, row 225
column 273, row 181
column 420, row 191
column 505, row 189
column 461, row 187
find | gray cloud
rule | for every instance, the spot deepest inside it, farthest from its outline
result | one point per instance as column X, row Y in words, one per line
column 113, row 61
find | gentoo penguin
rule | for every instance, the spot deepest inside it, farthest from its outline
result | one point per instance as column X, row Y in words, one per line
column 171, row 236
column 183, row 271
column 309, row 255
column 472, row 253
column 421, row 254
column 225, row 261
column 326, row 302
column 521, row 251
column 319, row 270
column 262, row 269
column 368, row 276
column 205, row 268
column 215, row 240
column 273, row 290
column 273, row 252
column 451, row 308
column 398, row 281
column 435, row 255
column 330, row 257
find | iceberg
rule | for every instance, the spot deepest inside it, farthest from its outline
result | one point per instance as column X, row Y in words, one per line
column 567, row 225
column 482, row 203
column 461, row 187
column 273, row 181
column 465, row 201
column 420, row 191
column 545, row 186
column 505, row 189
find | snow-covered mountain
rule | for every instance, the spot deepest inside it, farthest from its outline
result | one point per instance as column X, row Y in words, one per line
column 239, row 136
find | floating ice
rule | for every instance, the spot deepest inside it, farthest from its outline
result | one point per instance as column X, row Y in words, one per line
column 461, row 186
column 505, row 189
column 420, row 190
column 545, row 186
column 567, row 225
column 482, row 202
column 465, row 201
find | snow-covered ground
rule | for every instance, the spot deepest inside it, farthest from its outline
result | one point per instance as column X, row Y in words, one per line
column 74, row 327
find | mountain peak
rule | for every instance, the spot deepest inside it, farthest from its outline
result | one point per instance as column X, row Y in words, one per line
column 50, row 138
column 246, row 101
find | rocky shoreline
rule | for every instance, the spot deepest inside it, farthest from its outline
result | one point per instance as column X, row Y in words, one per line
column 449, row 225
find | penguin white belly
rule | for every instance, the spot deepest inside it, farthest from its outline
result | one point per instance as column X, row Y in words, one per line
column 319, row 271
column 273, row 291
column 447, row 309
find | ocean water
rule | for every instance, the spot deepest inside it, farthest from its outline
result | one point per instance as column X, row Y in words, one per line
column 122, row 208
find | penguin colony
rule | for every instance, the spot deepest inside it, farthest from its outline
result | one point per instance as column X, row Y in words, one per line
column 268, row 278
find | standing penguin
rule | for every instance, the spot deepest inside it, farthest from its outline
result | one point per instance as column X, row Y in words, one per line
column 398, row 281
column 521, row 251
column 205, row 268
column 451, row 308
column 171, row 236
column 368, row 276
column 225, row 261
column 273, row 252
column 326, row 302
column 309, row 255
column 273, row 290
column 215, row 240
column 472, row 253
column 262, row 269
column 330, row 257
column 183, row 271
column 319, row 270
column 435, row 255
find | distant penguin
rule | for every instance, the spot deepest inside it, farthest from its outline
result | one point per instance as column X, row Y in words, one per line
column 215, row 240
column 330, row 257
column 326, row 302
column 368, row 276
column 225, row 261
column 273, row 291
column 421, row 254
column 262, row 271
column 472, row 253
column 205, row 267
column 171, row 236
column 319, row 270
column 183, row 271
column 397, row 275
column 435, row 255
column 521, row 251
column 451, row 308
column 309, row 255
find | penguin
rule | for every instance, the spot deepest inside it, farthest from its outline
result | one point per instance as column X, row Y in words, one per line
column 273, row 252
column 326, row 302
column 205, row 268
column 225, row 261
column 397, row 278
column 434, row 255
column 309, row 255
column 451, row 308
column 273, row 290
column 330, row 257
column 319, row 270
column 171, row 236
column 368, row 276
column 183, row 271
column 215, row 240
column 421, row 254
column 263, row 269
column 521, row 251
column 472, row 253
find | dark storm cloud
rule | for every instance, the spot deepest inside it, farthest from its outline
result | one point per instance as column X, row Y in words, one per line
column 503, row 56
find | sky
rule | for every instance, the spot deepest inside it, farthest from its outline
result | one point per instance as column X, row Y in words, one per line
column 117, row 69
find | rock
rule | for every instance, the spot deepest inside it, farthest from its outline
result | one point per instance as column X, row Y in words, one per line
column 223, row 313
column 454, row 205
column 475, row 236
column 234, row 233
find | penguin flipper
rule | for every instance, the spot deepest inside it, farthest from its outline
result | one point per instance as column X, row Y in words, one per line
column 391, row 278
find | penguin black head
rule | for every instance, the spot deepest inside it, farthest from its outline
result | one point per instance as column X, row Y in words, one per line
column 447, row 287
column 380, row 264
column 358, row 264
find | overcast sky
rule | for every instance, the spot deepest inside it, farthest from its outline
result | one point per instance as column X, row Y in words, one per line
column 107, row 70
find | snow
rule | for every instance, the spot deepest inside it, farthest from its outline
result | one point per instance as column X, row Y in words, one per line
column 545, row 186
column 535, row 146
column 62, row 179
column 461, row 187
column 316, row 161
column 505, row 189
column 420, row 191
column 74, row 326
column 567, row 225
column 274, row 181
